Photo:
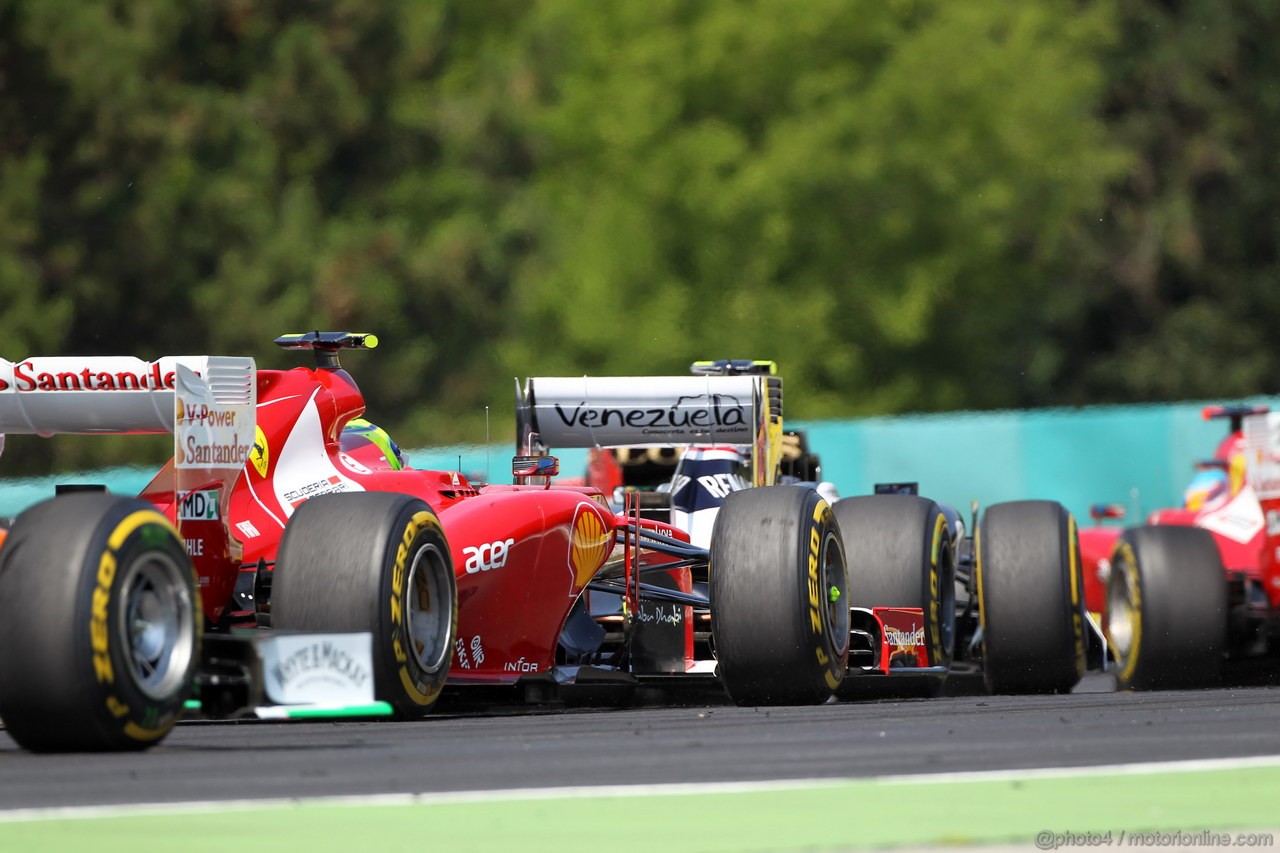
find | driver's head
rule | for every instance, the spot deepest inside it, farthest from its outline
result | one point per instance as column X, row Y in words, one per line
column 1207, row 488
column 360, row 433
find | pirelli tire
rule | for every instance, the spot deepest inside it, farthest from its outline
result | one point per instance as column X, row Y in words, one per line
column 1030, row 598
column 1166, row 616
column 779, row 597
column 100, row 625
column 901, row 554
column 376, row 562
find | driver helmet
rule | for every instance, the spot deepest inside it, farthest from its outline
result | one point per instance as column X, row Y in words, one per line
column 1207, row 488
column 360, row 433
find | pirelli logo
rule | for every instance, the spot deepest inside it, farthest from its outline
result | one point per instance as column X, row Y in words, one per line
column 590, row 542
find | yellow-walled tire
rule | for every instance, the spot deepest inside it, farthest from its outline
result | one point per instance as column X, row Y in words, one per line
column 99, row 625
column 900, row 554
column 1166, row 608
column 779, row 597
column 376, row 562
column 1030, row 598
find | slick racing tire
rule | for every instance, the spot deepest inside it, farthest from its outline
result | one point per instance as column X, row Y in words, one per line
column 1167, row 608
column 1030, row 598
column 900, row 554
column 375, row 562
column 779, row 600
column 99, row 625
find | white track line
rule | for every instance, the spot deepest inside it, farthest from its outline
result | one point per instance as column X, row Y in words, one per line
column 652, row 790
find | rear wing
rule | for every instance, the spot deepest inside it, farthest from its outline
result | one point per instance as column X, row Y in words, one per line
column 108, row 394
column 654, row 411
column 208, row 403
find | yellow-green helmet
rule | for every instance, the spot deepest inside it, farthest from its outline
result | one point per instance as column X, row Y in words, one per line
column 359, row 430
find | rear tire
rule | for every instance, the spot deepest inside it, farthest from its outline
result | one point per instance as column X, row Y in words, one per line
column 1167, row 608
column 779, row 597
column 900, row 554
column 1030, row 598
column 376, row 562
column 99, row 625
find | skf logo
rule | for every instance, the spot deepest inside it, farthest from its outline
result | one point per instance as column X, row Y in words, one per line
column 489, row 556
column 260, row 455
column 589, row 543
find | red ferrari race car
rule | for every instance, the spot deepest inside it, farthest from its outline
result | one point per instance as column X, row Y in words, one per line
column 1195, row 591
column 928, row 602
column 284, row 564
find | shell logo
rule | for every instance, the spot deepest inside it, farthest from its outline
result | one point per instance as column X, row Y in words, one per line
column 590, row 542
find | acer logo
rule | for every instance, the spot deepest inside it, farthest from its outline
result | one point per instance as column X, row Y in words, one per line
column 491, row 555
column 27, row 377
column 699, row 411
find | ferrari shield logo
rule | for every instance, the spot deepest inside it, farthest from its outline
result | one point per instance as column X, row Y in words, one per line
column 260, row 454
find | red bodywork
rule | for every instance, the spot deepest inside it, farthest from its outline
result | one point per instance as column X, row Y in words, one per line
column 902, row 642
column 522, row 555
column 1236, row 520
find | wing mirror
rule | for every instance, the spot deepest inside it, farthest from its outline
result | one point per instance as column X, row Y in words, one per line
column 525, row 468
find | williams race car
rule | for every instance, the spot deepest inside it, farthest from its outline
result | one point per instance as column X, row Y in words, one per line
column 926, row 600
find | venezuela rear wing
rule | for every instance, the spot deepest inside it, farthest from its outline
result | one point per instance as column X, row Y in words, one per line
column 207, row 402
column 727, row 402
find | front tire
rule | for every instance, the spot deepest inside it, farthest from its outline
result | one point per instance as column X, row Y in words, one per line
column 1167, row 608
column 99, row 625
column 1030, row 598
column 779, row 597
column 375, row 562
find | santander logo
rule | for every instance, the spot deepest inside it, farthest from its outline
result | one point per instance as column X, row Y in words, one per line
column 29, row 376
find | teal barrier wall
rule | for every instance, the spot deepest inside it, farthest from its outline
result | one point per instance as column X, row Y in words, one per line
column 1138, row 456
column 485, row 465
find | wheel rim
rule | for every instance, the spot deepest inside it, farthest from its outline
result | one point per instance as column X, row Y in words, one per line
column 947, row 604
column 835, row 575
column 1122, row 611
column 158, row 624
column 430, row 609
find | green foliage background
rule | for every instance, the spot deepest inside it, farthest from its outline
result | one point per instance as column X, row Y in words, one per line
column 912, row 205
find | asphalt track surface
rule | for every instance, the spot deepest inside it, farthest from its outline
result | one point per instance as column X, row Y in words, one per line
column 713, row 743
